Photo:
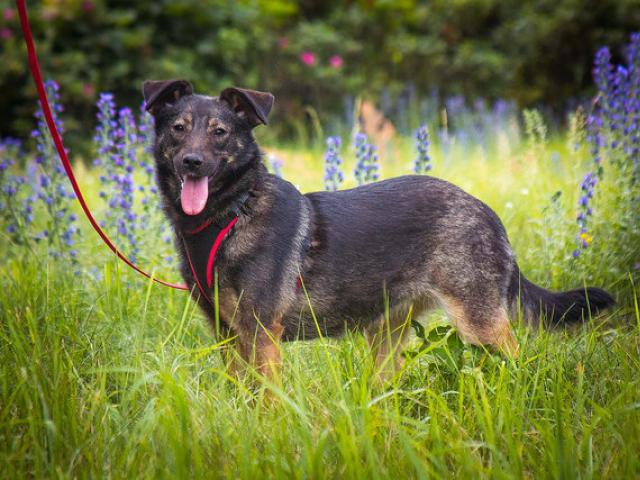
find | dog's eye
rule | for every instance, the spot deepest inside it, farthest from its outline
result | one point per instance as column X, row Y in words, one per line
column 219, row 131
column 178, row 127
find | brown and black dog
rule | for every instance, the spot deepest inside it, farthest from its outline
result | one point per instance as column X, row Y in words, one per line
column 412, row 242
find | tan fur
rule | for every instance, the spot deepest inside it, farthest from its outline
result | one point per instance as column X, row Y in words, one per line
column 496, row 332
column 228, row 303
column 212, row 125
column 268, row 359
column 186, row 120
column 504, row 340
column 262, row 349
column 386, row 338
column 247, row 232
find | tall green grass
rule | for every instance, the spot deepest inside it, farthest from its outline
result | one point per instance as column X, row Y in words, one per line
column 117, row 377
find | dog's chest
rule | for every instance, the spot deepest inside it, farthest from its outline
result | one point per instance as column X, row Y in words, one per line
column 202, row 247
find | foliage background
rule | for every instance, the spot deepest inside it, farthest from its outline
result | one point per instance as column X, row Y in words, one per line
column 534, row 52
column 105, row 375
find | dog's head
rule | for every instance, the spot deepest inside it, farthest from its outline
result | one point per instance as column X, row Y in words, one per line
column 202, row 142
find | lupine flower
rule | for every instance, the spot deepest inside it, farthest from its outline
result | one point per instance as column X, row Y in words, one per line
column 276, row 165
column 104, row 136
column 126, row 146
column 470, row 127
column 53, row 188
column 124, row 153
column 12, row 213
column 612, row 126
column 145, row 130
column 117, row 149
column 422, row 163
column 333, row 175
column 585, row 211
column 632, row 105
column 367, row 168
column 616, row 113
column 602, row 72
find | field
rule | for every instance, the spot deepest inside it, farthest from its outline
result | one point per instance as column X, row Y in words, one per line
column 103, row 374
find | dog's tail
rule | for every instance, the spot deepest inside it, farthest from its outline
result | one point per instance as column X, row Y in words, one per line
column 554, row 308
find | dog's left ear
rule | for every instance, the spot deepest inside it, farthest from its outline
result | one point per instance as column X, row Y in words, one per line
column 253, row 105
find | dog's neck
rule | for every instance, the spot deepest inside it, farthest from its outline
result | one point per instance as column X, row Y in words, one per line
column 227, row 199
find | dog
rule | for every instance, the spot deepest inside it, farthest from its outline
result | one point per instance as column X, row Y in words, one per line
column 269, row 264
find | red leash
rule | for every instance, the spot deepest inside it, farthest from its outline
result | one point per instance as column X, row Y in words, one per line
column 34, row 66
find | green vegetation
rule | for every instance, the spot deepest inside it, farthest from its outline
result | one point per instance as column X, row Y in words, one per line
column 112, row 376
column 312, row 54
column 103, row 374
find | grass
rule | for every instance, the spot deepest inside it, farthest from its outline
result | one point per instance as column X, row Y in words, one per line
column 116, row 377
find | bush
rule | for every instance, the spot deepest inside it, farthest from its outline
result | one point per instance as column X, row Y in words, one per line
column 309, row 54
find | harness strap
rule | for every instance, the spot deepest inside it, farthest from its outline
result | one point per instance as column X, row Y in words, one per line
column 217, row 242
column 34, row 66
column 195, row 275
column 214, row 249
column 200, row 227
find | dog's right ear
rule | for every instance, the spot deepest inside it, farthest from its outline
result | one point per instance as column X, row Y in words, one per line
column 159, row 93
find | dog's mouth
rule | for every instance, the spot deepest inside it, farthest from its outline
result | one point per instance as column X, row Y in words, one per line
column 194, row 194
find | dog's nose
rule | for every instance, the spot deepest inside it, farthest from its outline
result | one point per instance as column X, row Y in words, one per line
column 192, row 160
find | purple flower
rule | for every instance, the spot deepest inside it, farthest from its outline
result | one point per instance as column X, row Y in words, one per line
column 49, row 183
column 422, row 163
column 276, row 165
column 124, row 154
column 367, row 168
column 104, row 130
column 333, row 175
column 612, row 127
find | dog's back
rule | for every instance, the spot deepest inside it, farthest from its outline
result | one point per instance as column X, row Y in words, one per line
column 418, row 241
column 397, row 242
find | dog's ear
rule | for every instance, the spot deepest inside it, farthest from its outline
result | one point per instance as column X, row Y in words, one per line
column 253, row 105
column 158, row 93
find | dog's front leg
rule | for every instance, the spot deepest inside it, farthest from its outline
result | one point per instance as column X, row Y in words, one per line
column 259, row 345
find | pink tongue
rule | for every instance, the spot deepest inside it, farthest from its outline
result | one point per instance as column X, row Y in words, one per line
column 195, row 192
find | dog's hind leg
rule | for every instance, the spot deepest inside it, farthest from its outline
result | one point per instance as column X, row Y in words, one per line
column 386, row 336
column 488, row 326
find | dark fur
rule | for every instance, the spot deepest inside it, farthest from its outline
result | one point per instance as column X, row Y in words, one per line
column 557, row 307
column 412, row 241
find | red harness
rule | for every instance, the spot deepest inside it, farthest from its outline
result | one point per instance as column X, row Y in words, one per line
column 220, row 234
column 197, row 253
